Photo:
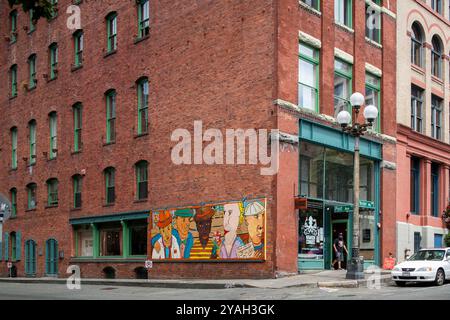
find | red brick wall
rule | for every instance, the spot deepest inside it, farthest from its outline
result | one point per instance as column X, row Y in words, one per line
column 205, row 60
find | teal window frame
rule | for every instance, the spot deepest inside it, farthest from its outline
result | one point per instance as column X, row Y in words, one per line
column 31, row 195
column 13, row 74
column 77, row 181
column 14, row 148
column 435, row 190
column 51, row 257
column 32, row 24
column 53, row 122
column 53, row 49
column 111, row 26
column 32, row 68
column 77, row 126
column 110, row 184
column 348, row 12
column 315, row 61
column 348, row 76
column 78, row 39
column 111, row 104
column 141, row 179
column 32, row 142
column 54, row 9
column 315, row 4
column 52, row 192
column 415, row 186
column 143, row 18
column 436, row 117
column 13, row 21
column 30, row 257
column 143, row 97
column 377, row 89
column 13, row 193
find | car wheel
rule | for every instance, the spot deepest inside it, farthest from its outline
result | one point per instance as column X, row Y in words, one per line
column 400, row 283
column 440, row 277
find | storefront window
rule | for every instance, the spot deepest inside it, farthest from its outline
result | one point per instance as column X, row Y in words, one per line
column 311, row 237
column 366, row 182
column 311, row 170
column 138, row 238
column 111, row 240
column 339, row 176
column 367, row 234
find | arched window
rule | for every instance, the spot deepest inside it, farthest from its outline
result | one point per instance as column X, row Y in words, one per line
column 13, row 77
column 143, row 18
column 14, row 148
column 53, row 60
column 53, row 121
column 52, row 192
column 78, row 47
column 110, row 182
column 111, row 29
column 31, row 195
column 51, row 257
column 436, row 57
column 143, row 91
column 13, row 194
column 32, row 141
column 13, row 24
column 110, row 97
column 417, row 44
column 77, row 185
column 32, row 68
column 141, row 180
column 30, row 257
column 77, row 126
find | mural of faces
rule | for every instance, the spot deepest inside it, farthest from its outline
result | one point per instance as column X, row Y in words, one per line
column 231, row 216
column 255, row 225
column 166, row 234
column 182, row 225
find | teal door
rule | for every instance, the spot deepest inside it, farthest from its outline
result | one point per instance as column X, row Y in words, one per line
column 51, row 257
column 30, row 258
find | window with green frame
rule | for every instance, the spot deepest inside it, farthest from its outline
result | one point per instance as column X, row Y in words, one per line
column 13, row 193
column 343, row 12
column 143, row 17
column 373, row 20
column 13, row 240
column 54, row 9
column 110, row 116
column 31, row 196
column 143, row 91
column 52, row 192
column 343, row 74
column 111, row 25
column 373, row 96
column 32, row 68
column 53, row 121
column 78, row 47
column 14, row 148
column 13, row 75
column 53, row 52
column 141, row 180
column 110, row 190
column 77, row 126
column 32, row 26
column 32, row 141
column 308, row 75
column 315, row 4
column 77, row 184
column 13, row 21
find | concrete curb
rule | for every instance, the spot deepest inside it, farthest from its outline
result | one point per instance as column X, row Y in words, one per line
column 200, row 285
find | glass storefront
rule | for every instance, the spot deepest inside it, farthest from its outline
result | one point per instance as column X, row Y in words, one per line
column 326, row 180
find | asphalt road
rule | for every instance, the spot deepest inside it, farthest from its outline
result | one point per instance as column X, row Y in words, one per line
column 15, row 291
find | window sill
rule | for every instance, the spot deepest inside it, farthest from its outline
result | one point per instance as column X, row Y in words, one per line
column 309, row 8
column 141, row 135
column 107, row 205
column 13, row 170
column 140, row 39
column 29, row 89
column 437, row 80
column 75, row 68
column 417, row 68
column 51, row 79
column 31, row 32
column 75, row 209
column 51, row 159
column 344, row 27
column 140, row 201
column 31, row 210
column 51, row 206
column 73, row 153
column 110, row 53
column 374, row 43
column 106, row 144
column 12, row 97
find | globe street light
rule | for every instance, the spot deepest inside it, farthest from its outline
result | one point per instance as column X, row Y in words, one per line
column 356, row 268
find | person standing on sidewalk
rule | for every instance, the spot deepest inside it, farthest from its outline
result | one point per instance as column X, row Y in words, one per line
column 339, row 247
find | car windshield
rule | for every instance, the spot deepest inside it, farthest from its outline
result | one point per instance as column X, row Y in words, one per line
column 428, row 255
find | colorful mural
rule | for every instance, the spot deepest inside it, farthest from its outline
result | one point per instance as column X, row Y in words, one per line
column 223, row 231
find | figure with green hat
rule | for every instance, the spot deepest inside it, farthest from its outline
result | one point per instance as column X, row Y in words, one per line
column 183, row 219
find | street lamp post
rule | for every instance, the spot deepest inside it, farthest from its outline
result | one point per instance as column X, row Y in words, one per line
column 355, row 270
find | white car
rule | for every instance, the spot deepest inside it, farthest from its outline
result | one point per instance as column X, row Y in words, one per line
column 427, row 265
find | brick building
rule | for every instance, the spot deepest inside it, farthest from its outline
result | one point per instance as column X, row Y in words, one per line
column 88, row 115
column 423, row 124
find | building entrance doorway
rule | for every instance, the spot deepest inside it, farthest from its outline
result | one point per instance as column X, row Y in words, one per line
column 339, row 226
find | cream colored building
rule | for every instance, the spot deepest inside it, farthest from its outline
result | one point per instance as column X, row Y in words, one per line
column 423, row 97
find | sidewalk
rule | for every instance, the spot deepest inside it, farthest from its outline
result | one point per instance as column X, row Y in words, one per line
column 322, row 279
